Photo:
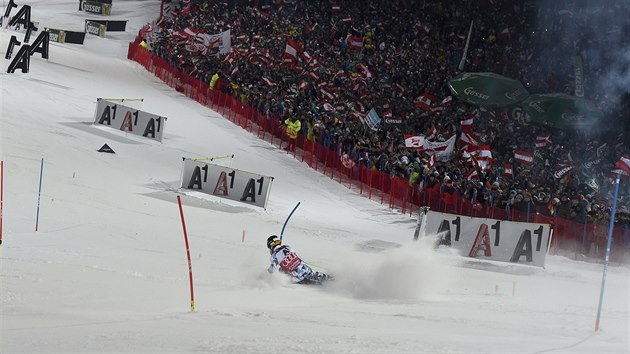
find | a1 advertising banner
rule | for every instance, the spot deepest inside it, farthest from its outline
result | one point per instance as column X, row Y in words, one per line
column 57, row 35
column 226, row 182
column 95, row 28
column 490, row 239
column 95, row 7
column 129, row 119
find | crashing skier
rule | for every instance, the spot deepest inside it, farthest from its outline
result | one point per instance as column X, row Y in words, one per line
column 290, row 263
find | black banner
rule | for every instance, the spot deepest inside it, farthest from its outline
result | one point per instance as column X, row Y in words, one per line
column 113, row 26
column 74, row 37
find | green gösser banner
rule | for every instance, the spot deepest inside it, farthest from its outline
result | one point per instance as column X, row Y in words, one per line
column 487, row 89
column 560, row 110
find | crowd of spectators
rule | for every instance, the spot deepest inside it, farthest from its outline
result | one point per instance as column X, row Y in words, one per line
column 407, row 52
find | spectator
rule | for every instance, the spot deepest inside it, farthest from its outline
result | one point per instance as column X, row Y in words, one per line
column 293, row 128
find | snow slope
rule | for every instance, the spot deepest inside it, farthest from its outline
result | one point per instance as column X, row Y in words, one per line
column 107, row 270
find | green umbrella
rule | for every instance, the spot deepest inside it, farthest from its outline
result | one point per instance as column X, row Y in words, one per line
column 560, row 110
column 487, row 89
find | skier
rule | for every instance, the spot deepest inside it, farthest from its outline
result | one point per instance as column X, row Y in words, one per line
column 289, row 263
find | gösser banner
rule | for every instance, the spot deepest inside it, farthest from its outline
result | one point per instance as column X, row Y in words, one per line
column 226, row 182
column 497, row 240
column 128, row 119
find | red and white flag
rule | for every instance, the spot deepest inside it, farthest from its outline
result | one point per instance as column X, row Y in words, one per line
column 469, row 138
column 268, row 82
column 291, row 52
column 432, row 132
column 507, row 170
column 466, row 123
column 543, row 141
column 472, row 174
column 415, row 141
column 523, row 156
column 425, row 100
column 482, row 156
column 431, row 162
column 354, row 42
column 365, row 72
column 624, row 163
column 328, row 93
column 447, row 100
column 483, row 152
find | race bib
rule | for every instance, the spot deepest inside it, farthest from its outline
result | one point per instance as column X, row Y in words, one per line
column 290, row 262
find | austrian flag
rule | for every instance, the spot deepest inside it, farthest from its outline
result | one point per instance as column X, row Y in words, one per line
column 354, row 42
column 425, row 100
column 472, row 174
column 624, row 164
column 507, row 170
column 523, row 156
column 291, row 52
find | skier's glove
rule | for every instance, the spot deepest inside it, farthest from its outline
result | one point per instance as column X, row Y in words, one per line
column 271, row 269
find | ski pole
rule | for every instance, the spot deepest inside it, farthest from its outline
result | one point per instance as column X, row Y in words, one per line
column 287, row 220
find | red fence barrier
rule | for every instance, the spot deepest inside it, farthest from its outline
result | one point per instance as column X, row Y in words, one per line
column 377, row 185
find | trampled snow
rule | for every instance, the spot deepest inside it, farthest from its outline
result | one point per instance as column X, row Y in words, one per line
column 107, row 269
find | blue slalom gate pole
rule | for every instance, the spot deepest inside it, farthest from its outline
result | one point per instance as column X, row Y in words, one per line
column 287, row 220
column 39, row 194
column 608, row 244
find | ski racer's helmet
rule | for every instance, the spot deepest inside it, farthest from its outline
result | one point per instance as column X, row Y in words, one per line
column 272, row 242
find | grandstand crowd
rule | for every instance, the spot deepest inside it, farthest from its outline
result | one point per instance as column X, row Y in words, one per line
column 328, row 63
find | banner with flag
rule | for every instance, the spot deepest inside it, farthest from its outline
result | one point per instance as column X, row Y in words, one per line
column 523, row 156
column 443, row 149
column 200, row 42
column 414, row 141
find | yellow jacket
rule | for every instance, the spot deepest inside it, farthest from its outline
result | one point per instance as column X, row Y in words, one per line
column 213, row 81
column 293, row 127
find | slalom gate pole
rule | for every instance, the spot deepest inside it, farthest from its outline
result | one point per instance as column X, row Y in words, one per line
column 39, row 194
column 190, row 276
column 1, row 195
column 610, row 233
column 287, row 220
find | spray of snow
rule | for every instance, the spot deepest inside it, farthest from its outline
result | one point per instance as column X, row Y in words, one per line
column 413, row 272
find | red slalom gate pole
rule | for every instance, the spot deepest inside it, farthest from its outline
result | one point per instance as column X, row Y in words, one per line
column 192, row 294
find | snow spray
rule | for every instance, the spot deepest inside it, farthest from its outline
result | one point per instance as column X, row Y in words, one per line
column 414, row 272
